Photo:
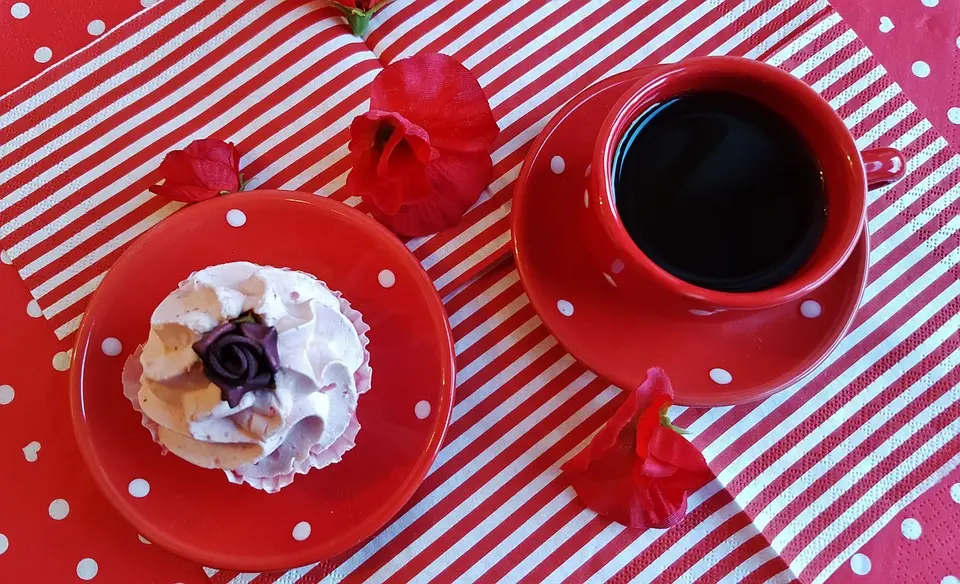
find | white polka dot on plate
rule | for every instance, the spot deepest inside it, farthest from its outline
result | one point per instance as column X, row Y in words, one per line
column 87, row 569
column 4, row 543
column 920, row 69
column 59, row 509
column 42, row 55
column 96, row 27
column 565, row 307
column 810, row 309
column 953, row 114
column 587, row 172
column 138, row 488
column 617, row 266
column 946, row 579
column 301, row 531
column 33, row 309
column 5, row 257
column 30, row 451
column 20, row 10
column 886, row 25
column 860, row 564
column 61, row 361
column 954, row 491
column 111, row 346
column 911, row 528
column 236, row 218
column 557, row 165
column 586, row 199
column 422, row 409
column 930, row 3
column 143, row 539
column 721, row 376
column 610, row 279
column 6, row 394
column 387, row 278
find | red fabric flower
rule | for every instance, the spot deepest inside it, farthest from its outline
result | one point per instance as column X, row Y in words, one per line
column 204, row 169
column 421, row 155
column 359, row 12
column 638, row 469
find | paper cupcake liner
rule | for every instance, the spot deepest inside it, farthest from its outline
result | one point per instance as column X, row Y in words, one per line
column 301, row 461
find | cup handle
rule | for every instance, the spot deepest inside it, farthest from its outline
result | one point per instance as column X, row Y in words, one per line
column 883, row 166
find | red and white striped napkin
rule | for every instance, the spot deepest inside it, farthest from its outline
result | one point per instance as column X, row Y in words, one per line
column 804, row 478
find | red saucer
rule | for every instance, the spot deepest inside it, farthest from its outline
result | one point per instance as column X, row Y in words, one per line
column 196, row 512
column 716, row 358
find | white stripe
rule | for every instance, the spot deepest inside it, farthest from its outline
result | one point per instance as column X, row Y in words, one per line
column 498, row 42
column 473, row 259
column 538, row 555
column 503, row 345
column 824, row 54
column 99, row 253
column 915, row 224
column 857, row 87
column 112, row 137
column 469, row 233
column 913, row 162
column 418, row 510
column 884, row 519
column 80, row 73
column 66, row 329
column 487, row 326
column 484, row 298
column 850, row 478
column 747, row 567
column 437, row 28
column 783, row 32
column 807, row 37
column 426, row 11
column 875, row 103
column 874, row 494
column 885, row 125
column 75, row 295
column 220, row 94
column 918, row 190
column 754, row 27
column 117, row 106
column 845, row 68
column 719, row 552
column 708, row 32
column 244, row 578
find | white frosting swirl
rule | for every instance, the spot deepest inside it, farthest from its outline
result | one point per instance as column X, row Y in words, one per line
column 308, row 421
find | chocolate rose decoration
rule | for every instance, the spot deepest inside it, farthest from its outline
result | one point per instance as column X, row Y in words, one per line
column 240, row 356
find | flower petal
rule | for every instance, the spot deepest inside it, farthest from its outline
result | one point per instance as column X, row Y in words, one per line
column 440, row 95
column 215, row 150
column 455, row 181
column 183, row 193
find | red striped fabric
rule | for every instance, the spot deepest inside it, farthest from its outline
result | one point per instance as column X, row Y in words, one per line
column 804, row 478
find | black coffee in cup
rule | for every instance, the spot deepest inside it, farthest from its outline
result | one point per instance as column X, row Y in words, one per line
column 720, row 191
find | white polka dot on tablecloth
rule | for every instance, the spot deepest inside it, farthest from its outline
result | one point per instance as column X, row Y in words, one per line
column 557, row 165
column 138, row 488
column 886, row 25
column 236, row 218
column 810, row 309
column 920, row 69
column 955, row 492
column 33, row 309
column 20, row 10
column 61, row 361
column 59, row 509
column 860, row 564
column 4, row 543
column 422, row 409
column 111, row 346
column 96, row 27
column 42, row 55
column 950, row 580
column 5, row 257
column 143, row 539
column 87, row 569
column 6, row 394
column 930, row 3
column 911, row 528
column 387, row 278
column 721, row 376
column 565, row 307
column 301, row 531
column 30, row 451
column 953, row 114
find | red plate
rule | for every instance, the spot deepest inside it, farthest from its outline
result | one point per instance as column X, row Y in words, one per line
column 195, row 512
column 713, row 359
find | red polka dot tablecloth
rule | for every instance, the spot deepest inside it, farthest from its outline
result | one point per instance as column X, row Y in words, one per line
column 849, row 476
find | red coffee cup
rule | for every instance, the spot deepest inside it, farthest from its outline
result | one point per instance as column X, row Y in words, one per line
column 847, row 175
